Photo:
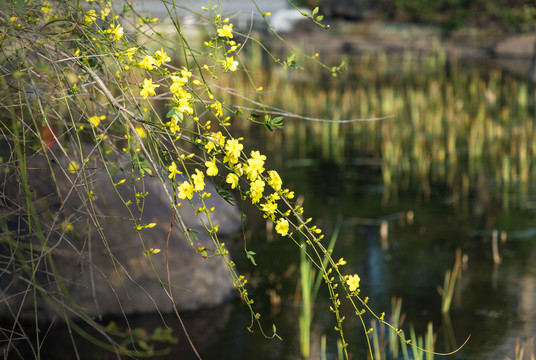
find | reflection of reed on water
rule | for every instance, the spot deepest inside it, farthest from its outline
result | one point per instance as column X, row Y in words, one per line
column 449, row 125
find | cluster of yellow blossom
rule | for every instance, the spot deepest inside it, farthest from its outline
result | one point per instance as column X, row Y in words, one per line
column 182, row 99
column 250, row 169
column 148, row 62
column 255, row 165
column 46, row 7
column 224, row 32
column 90, row 17
column 116, row 32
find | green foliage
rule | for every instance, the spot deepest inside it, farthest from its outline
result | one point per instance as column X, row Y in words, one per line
column 459, row 13
column 451, row 14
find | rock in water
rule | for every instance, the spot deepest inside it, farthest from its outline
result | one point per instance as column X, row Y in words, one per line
column 77, row 246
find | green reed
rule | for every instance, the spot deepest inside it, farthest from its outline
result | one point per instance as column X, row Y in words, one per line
column 447, row 291
column 389, row 346
column 310, row 281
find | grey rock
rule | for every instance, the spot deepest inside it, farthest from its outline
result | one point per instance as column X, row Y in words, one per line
column 519, row 46
column 100, row 266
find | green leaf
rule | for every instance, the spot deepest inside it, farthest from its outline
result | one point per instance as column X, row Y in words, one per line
column 226, row 196
column 144, row 168
column 319, row 18
column 274, row 123
column 193, row 234
column 275, row 332
column 315, row 11
column 277, row 120
column 171, row 112
column 175, row 115
column 249, row 255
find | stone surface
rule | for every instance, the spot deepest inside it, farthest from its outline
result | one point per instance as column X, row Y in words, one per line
column 100, row 267
column 486, row 46
column 520, row 46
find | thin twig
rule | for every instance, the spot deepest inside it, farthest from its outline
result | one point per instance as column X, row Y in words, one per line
column 170, row 290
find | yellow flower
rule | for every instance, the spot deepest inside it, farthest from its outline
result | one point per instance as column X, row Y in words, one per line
column 46, row 9
column 173, row 127
column 215, row 140
column 353, row 282
column 269, row 208
column 256, row 189
column 73, row 167
column 173, row 170
column 148, row 88
column 186, row 190
column 273, row 197
column 161, row 57
column 233, row 47
column 288, row 194
column 274, row 180
column 184, row 105
column 341, row 262
column 130, row 53
column 183, row 101
column 282, row 227
column 141, row 132
column 67, row 226
column 90, row 17
column 217, row 106
column 186, row 73
column 226, row 31
column 212, row 169
column 105, row 12
column 115, row 31
column 232, row 179
column 255, row 165
column 178, row 83
column 232, row 150
column 147, row 62
column 229, row 64
column 94, row 120
column 199, row 180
